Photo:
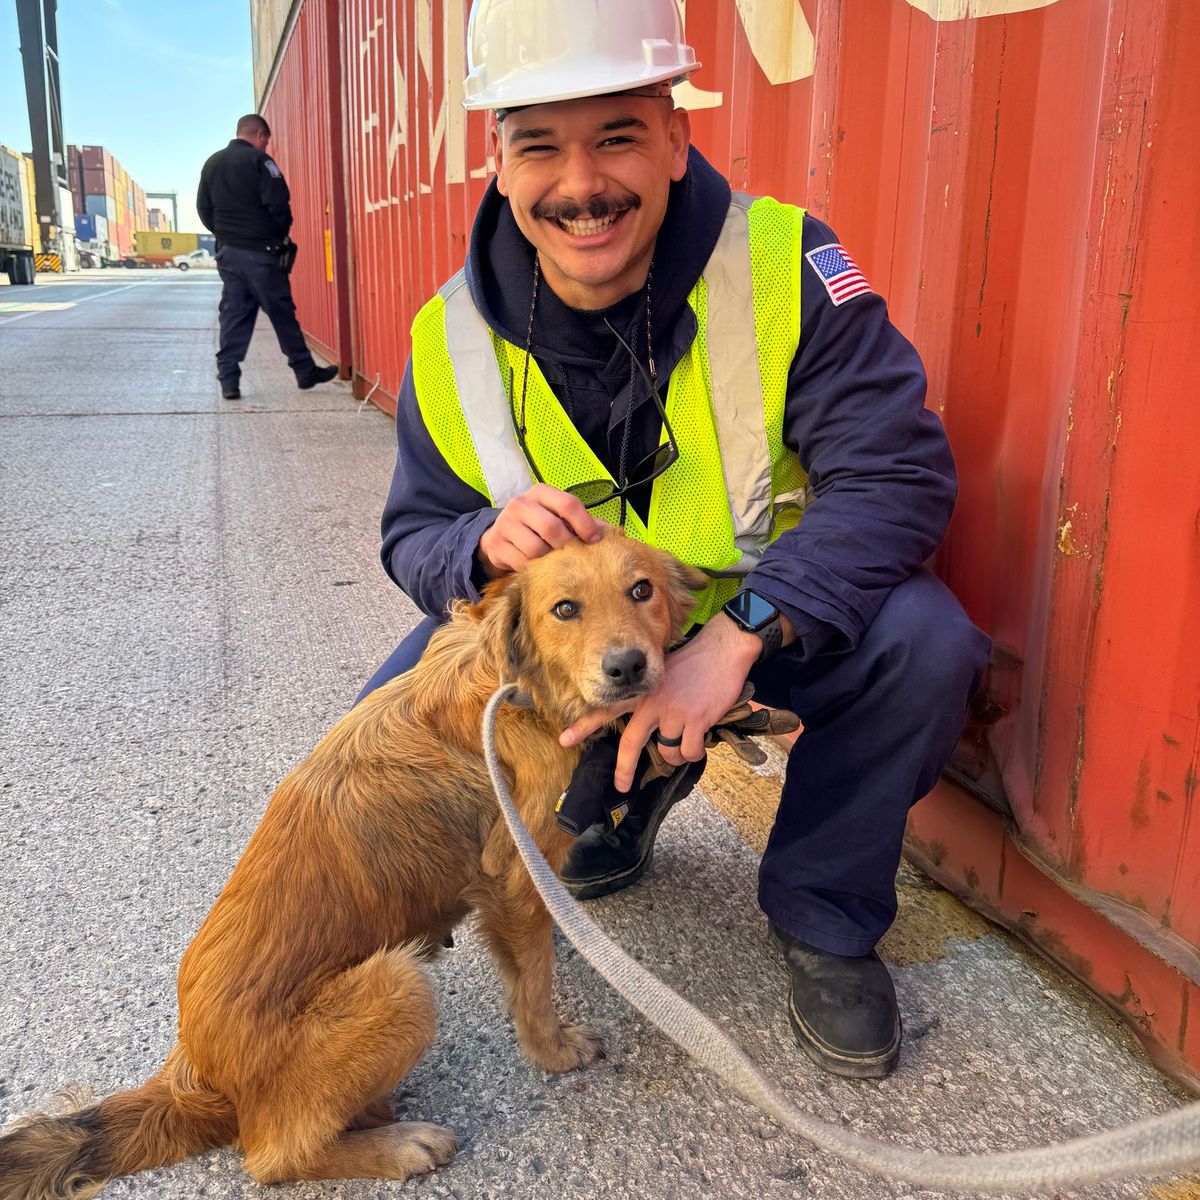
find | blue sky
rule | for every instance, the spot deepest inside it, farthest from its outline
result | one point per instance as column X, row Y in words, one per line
column 160, row 84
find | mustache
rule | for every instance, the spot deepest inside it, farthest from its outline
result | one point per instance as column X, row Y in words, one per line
column 597, row 208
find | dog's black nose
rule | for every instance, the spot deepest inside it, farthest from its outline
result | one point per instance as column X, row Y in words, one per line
column 625, row 667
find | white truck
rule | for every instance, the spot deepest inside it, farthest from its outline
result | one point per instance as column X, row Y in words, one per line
column 17, row 227
column 196, row 258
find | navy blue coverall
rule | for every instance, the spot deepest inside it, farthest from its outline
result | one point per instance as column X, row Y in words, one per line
column 885, row 659
column 243, row 199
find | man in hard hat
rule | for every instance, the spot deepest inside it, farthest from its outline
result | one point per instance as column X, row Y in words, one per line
column 629, row 342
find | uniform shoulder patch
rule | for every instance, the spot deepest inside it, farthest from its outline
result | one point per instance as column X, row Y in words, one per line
column 272, row 169
column 838, row 272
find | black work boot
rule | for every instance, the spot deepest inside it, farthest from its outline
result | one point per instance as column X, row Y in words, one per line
column 843, row 1009
column 230, row 389
column 603, row 860
column 317, row 375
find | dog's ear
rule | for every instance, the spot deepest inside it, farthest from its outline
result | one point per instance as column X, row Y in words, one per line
column 503, row 638
column 685, row 583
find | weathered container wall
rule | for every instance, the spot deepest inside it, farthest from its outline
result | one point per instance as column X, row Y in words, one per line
column 1078, row 537
column 268, row 22
column 1018, row 178
column 308, row 81
column 1021, row 187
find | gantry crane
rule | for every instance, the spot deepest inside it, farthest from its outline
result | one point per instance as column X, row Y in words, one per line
column 37, row 24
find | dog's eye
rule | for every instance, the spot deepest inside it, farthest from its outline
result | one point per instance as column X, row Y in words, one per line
column 565, row 610
column 642, row 590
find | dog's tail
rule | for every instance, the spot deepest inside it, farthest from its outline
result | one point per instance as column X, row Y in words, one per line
column 170, row 1117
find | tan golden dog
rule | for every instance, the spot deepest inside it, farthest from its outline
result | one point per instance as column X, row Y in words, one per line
column 302, row 1001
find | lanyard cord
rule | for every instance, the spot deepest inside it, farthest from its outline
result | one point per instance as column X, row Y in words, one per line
column 623, row 460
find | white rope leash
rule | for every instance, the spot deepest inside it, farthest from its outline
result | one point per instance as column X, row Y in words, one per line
column 1155, row 1145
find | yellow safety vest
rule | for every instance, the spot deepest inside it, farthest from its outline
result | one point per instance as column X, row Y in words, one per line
column 735, row 487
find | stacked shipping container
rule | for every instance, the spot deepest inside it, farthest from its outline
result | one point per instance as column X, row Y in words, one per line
column 100, row 186
column 1021, row 186
column 91, row 228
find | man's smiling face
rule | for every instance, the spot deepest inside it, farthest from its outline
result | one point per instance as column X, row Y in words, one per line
column 588, row 182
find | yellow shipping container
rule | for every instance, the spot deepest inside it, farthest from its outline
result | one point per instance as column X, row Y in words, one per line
column 31, row 226
column 153, row 243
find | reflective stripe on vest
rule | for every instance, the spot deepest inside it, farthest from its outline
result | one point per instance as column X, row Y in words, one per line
column 726, row 397
column 484, row 402
column 736, row 384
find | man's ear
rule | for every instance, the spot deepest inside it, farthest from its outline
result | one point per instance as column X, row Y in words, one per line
column 503, row 637
column 679, row 131
column 496, row 137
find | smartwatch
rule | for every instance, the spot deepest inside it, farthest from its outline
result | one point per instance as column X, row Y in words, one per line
column 757, row 615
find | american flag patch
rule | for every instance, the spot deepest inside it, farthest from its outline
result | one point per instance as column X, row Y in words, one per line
column 842, row 279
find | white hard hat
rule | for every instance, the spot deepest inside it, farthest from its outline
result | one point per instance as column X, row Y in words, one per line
column 522, row 52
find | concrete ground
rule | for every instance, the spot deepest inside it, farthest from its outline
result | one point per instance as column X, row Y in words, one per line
column 191, row 596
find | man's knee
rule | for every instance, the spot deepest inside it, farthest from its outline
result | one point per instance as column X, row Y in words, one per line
column 923, row 633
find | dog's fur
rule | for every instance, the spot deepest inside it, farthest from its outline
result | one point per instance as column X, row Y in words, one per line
column 302, row 1001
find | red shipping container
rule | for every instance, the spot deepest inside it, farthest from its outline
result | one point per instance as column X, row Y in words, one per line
column 1021, row 186
column 97, row 183
column 414, row 173
column 96, row 158
column 309, row 81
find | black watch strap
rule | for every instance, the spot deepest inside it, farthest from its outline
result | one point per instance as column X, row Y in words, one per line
column 771, row 637
column 765, row 623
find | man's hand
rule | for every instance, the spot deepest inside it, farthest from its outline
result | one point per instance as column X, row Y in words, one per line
column 704, row 680
column 534, row 523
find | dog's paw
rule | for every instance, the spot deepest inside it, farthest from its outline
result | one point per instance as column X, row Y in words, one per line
column 576, row 1046
column 420, row 1147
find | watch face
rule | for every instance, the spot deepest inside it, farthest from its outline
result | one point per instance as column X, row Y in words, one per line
column 751, row 611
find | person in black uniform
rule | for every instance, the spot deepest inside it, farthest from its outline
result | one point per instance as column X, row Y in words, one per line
column 244, row 200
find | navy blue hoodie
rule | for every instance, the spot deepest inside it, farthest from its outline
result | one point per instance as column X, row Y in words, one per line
column 877, row 459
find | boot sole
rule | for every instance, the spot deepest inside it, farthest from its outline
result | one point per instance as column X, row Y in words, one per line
column 848, row 1066
column 595, row 888
column 592, row 889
